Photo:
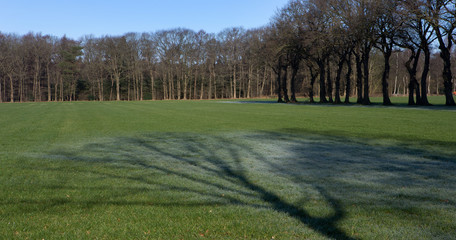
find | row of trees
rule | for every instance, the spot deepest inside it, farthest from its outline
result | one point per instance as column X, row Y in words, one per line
column 168, row 64
column 329, row 34
column 347, row 45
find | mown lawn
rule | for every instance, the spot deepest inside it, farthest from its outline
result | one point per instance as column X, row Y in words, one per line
column 226, row 170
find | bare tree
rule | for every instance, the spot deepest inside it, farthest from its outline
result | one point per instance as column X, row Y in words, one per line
column 148, row 49
column 115, row 58
column 11, row 64
column 417, row 37
column 388, row 26
column 96, row 65
column 212, row 50
column 443, row 20
column 231, row 40
column 69, row 65
column 313, row 71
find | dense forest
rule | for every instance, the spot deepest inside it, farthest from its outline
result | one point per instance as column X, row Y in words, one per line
column 330, row 48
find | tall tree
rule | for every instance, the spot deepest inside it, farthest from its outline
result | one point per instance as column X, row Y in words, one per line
column 388, row 26
column 148, row 48
column 443, row 20
column 115, row 58
column 70, row 51
column 316, row 38
column 418, row 35
column 366, row 14
column 12, row 64
column 94, row 65
column 232, row 40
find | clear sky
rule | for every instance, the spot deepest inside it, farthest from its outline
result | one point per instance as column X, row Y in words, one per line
column 115, row 17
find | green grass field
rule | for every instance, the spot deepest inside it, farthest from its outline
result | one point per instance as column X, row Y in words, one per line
column 225, row 170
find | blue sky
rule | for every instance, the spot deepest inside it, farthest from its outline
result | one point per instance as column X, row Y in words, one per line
column 115, row 17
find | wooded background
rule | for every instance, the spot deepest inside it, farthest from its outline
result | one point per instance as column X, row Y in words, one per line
column 335, row 48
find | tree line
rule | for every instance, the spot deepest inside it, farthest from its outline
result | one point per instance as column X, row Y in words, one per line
column 168, row 64
column 342, row 36
column 329, row 48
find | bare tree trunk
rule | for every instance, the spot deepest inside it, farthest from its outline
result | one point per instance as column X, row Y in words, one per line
column 263, row 83
column 56, row 96
column 11, row 88
column 48, row 74
column 4, row 89
column 397, row 73
column 117, row 78
column 271, row 92
column 185, row 77
column 21, row 88
column 39, row 89
column 385, row 77
column 241, row 82
column 179, row 87
column 135, row 91
column 321, row 65
column 136, row 86
column 257, row 82
column 284, row 84
column 231, row 87
column 412, row 70
column 171, row 87
column 215, row 85
column 112, row 88
column 359, row 78
column 202, row 88
column 100, row 89
column 152, row 84
column 61, row 88
column 429, row 85
column 418, row 93
column 128, row 91
column 411, row 100
column 294, row 72
column 74, row 91
column 165, row 87
column 279, row 84
column 35, row 79
column 195, row 84
column 249, row 81
column 141, row 87
column 447, row 77
column 234, row 82
column 424, row 74
column 340, row 66
column 139, row 78
column 365, row 57
column 329, row 80
column 313, row 77
column 395, row 86
column 445, row 55
column 348, row 78
column 209, row 94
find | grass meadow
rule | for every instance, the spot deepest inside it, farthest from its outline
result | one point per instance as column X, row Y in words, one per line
column 226, row 170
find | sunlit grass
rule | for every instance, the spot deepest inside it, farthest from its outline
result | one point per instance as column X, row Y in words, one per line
column 207, row 169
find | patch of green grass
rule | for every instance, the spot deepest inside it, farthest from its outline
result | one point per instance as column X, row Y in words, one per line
column 217, row 170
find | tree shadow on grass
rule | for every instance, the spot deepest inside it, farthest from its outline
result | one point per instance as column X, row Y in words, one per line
column 267, row 170
column 435, row 107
